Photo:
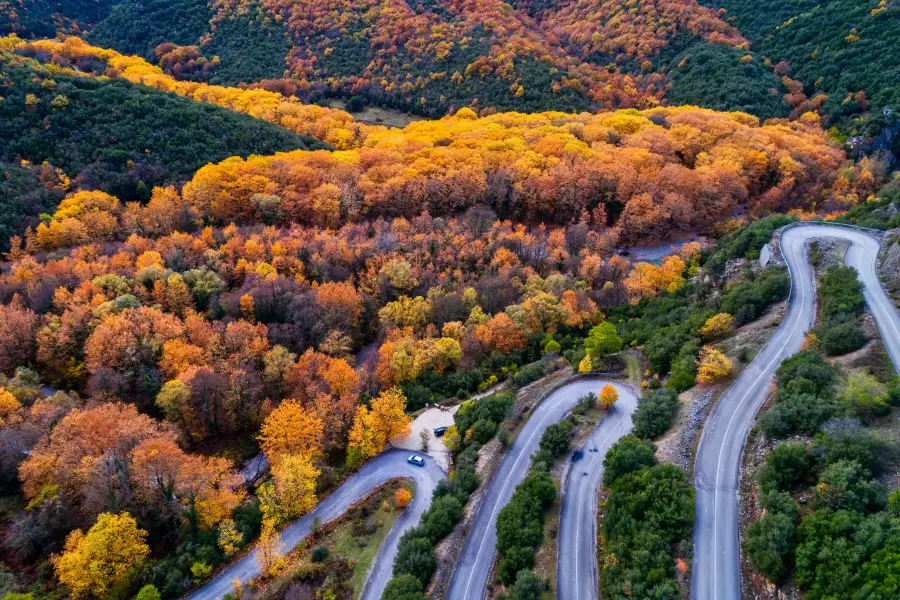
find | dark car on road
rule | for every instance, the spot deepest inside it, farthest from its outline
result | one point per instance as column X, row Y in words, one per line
column 439, row 431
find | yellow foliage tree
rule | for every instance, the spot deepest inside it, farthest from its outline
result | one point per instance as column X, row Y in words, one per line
column 210, row 487
column 714, row 365
column 8, row 405
column 404, row 312
column 389, row 411
column 717, row 326
column 291, row 429
column 295, row 485
column 647, row 279
column 108, row 556
column 372, row 429
column 248, row 308
column 586, row 365
column 810, row 342
column 452, row 439
column 269, row 548
column 608, row 396
column 229, row 537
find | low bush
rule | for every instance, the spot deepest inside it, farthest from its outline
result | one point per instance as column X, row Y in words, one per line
column 554, row 442
column 769, row 545
column 492, row 408
column 750, row 298
column 841, row 292
column 684, row 368
column 528, row 586
column 847, row 439
column 840, row 335
column 404, row 587
column 843, row 303
column 627, row 455
column 786, row 467
column 654, row 413
column 864, row 396
column 747, row 242
column 529, row 374
column 415, row 556
column 483, row 430
column 805, row 398
column 796, row 413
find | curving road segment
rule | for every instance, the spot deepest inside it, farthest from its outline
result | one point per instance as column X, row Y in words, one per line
column 473, row 568
column 576, row 558
column 716, row 573
column 377, row 471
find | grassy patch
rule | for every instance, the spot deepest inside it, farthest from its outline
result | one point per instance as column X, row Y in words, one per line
column 632, row 369
column 352, row 542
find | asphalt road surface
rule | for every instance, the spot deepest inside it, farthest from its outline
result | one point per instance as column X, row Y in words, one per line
column 576, row 559
column 717, row 555
column 375, row 472
column 470, row 578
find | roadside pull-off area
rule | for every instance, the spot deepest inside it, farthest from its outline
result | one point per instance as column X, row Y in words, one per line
column 716, row 566
column 473, row 568
column 375, row 472
column 576, row 559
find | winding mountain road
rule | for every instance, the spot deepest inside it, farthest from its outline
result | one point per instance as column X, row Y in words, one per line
column 375, row 472
column 470, row 578
column 717, row 554
column 716, row 570
column 576, row 558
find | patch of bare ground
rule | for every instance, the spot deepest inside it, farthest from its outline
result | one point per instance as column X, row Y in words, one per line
column 376, row 115
column 489, row 457
column 826, row 252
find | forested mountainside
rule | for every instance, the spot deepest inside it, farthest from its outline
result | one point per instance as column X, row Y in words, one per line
column 72, row 131
column 44, row 18
column 205, row 265
column 646, row 174
column 845, row 50
column 771, row 59
column 434, row 57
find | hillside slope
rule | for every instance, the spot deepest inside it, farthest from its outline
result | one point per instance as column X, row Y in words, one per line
column 111, row 135
column 43, row 18
column 434, row 57
column 843, row 49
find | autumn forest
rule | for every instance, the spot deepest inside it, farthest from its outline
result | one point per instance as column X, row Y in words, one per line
column 213, row 256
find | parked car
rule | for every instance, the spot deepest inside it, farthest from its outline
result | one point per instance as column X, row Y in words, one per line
column 415, row 459
column 439, row 431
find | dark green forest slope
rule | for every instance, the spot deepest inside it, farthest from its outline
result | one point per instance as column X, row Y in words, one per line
column 839, row 48
column 43, row 18
column 111, row 135
column 717, row 77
